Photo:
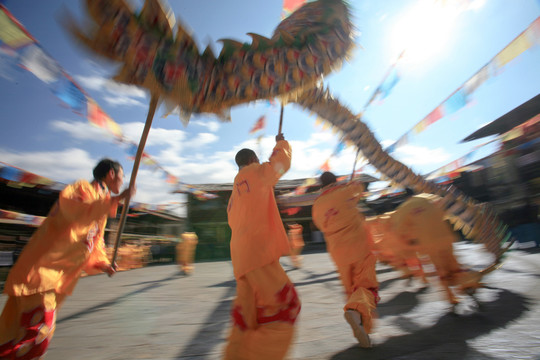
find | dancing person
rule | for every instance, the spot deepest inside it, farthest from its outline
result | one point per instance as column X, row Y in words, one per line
column 68, row 242
column 349, row 245
column 185, row 252
column 296, row 242
column 388, row 249
column 420, row 224
column 266, row 304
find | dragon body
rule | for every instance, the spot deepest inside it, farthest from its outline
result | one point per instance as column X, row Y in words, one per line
column 290, row 65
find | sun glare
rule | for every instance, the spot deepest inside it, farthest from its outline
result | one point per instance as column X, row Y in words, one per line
column 425, row 30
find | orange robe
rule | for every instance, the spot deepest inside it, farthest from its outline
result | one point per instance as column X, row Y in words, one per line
column 296, row 241
column 335, row 214
column 266, row 304
column 185, row 251
column 69, row 241
column 389, row 249
column 421, row 224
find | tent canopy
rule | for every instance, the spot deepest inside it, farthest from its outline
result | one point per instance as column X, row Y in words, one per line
column 508, row 121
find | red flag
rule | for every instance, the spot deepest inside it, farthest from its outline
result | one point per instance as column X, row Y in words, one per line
column 96, row 115
column 259, row 125
column 325, row 167
column 290, row 6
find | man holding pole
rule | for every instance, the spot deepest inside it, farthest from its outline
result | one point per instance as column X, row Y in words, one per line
column 69, row 241
column 335, row 214
column 266, row 304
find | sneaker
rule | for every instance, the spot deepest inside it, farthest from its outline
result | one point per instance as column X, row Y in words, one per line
column 354, row 319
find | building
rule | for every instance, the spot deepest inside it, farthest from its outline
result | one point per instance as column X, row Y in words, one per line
column 208, row 218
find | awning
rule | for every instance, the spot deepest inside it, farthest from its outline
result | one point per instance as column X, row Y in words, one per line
column 510, row 120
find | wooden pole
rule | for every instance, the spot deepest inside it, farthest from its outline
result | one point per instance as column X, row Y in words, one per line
column 354, row 165
column 151, row 110
column 280, row 119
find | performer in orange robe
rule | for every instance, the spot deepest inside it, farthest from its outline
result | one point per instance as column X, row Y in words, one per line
column 420, row 223
column 69, row 241
column 388, row 249
column 185, row 251
column 335, row 214
column 266, row 304
column 296, row 241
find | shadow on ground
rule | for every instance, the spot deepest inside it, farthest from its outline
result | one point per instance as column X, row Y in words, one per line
column 446, row 339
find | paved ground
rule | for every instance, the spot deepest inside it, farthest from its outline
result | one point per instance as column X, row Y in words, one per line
column 157, row 313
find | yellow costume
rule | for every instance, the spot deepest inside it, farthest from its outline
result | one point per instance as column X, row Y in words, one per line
column 296, row 241
column 335, row 214
column 266, row 304
column 185, row 251
column 388, row 248
column 69, row 241
column 420, row 223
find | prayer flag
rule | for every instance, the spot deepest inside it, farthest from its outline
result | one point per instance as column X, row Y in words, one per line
column 478, row 79
column 259, row 125
column 325, row 166
column 339, row 148
column 419, row 127
column 388, row 84
column 171, row 179
column 12, row 33
column 289, row 6
column 434, row 116
column 70, row 94
column 10, row 173
column 514, row 49
column 455, row 102
column 98, row 117
column 534, row 31
column 35, row 60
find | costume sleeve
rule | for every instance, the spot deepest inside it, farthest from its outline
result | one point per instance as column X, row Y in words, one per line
column 279, row 163
column 77, row 203
column 356, row 189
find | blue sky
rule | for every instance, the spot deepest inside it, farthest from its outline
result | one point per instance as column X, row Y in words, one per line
column 41, row 135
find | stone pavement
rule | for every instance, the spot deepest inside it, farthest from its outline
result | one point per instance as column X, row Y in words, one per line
column 157, row 313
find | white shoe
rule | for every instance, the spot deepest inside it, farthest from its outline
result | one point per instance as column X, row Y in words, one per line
column 354, row 319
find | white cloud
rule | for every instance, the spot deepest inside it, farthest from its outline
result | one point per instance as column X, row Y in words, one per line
column 201, row 139
column 413, row 155
column 156, row 136
column 183, row 158
column 212, row 126
column 69, row 165
column 120, row 100
column 63, row 166
column 116, row 94
column 80, row 130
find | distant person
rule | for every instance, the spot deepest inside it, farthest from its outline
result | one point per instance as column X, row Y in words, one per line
column 185, row 252
column 349, row 244
column 296, row 241
column 68, row 242
column 266, row 304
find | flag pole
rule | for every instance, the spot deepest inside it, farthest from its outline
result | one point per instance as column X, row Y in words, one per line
column 125, row 208
column 280, row 119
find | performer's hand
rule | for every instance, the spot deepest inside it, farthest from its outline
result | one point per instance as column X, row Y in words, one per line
column 280, row 137
column 109, row 269
column 132, row 191
column 129, row 192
